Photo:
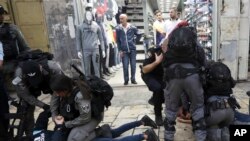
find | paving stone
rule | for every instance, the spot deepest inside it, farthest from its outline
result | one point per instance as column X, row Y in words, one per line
column 133, row 111
column 130, row 104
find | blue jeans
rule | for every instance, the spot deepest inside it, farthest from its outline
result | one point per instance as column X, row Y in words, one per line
column 118, row 131
column 129, row 57
column 241, row 117
column 146, row 46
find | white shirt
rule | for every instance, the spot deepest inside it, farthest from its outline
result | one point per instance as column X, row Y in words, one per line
column 158, row 26
column 1, row 51
column 125, row 29
column 170, row 25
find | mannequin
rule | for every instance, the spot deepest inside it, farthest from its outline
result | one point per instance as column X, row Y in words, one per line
column 88, row 36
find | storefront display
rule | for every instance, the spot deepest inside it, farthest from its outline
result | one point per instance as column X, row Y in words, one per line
column 199, row 15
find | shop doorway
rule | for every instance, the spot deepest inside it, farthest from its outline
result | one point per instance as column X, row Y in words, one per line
column 28, row 15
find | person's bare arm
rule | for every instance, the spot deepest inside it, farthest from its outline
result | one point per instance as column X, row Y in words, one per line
column 150, row 67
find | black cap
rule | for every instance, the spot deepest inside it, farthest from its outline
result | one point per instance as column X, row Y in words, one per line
column 32, row 72
column 2, row 11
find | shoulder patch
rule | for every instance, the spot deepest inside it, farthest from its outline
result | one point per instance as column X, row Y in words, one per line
column 16, row 81
column 85, row 108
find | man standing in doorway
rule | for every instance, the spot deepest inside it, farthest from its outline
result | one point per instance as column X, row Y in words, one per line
column 125, row 37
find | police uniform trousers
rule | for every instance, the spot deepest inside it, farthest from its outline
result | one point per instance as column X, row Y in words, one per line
column 192, row 86
column 84, row 132
column 29, row 119
column 218, row 120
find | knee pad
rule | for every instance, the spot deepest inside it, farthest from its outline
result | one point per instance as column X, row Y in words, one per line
column 169, row 125
column 199, row 124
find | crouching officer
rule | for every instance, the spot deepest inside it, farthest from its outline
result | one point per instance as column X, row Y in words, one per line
column 181, row 70
column 219, row 104
column 74, row 104
column 152, row 73
column 30, row 81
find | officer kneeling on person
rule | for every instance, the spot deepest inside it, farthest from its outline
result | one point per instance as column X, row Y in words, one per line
column 152, row 73
column 74, row 104
column 182, row 64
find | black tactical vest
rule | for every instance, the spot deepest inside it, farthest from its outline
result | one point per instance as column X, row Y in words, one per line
column 218, row 88
column 67, row 106
column 10, row 46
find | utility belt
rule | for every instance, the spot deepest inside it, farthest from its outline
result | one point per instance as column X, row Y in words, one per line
column 179, row 72
column 219, row 104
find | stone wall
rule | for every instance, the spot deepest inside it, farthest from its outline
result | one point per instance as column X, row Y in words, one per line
column 59, row 16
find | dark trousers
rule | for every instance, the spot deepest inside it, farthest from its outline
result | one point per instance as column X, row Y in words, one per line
column 4, row 109
column 156, row 86
column 101, row 61
column 29, row 120
column 111, row 55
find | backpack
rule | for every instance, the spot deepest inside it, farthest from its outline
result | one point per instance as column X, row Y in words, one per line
column 101, row 94
column 218, row 79
column 10, row 47
column 183, row 48
column 36, row 55
column 182, row 43
column 218, row 71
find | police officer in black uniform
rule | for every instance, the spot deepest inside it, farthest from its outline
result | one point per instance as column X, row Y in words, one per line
column 181, row 69
column 152, row 73
column 13, row 44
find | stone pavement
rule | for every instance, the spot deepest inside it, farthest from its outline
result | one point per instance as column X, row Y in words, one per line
column 130, row 103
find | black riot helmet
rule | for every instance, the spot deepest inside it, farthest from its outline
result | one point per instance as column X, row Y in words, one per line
column 32, row 73
column 182, row 41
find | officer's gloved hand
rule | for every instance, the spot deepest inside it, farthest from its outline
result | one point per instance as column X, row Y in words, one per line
column 46, row 107
column 103, row 54
column 79, row 55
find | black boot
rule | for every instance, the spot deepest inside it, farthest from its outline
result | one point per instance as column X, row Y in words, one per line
column 148, row 121
column 158, row 114
column 159, row 120
column 104, row 131
column 151, row 101
column 151, row 135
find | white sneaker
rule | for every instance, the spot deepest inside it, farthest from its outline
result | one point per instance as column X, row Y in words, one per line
column 117, row 67
column 114, row 68
column 111, row 70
